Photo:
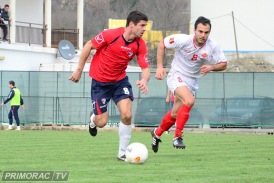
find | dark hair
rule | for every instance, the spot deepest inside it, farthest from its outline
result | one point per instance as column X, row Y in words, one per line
column 136, row 17
column 203, row 21
column 7, row 5
column 12, row 83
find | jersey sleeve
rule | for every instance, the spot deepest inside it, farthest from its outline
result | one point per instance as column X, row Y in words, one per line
column 102, row 39
column 142, row 55
column 218, row 55
column 175, row 41
column 21, row 101
column 10, row 96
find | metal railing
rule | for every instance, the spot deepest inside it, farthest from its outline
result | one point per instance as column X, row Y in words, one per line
column 31, row 33
column 69, row 34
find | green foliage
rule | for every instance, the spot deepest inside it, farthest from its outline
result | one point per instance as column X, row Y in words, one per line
column 207, row 158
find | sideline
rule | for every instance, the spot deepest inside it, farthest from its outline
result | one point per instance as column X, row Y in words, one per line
column 269, row 131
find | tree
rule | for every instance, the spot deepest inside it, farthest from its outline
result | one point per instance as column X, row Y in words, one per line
column 171, row 15
column 119, row 9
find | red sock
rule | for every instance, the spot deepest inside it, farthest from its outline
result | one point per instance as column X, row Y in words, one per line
column 182, row 117
column 166, row 124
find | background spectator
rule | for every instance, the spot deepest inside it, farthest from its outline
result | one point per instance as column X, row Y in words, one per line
column 5, row 17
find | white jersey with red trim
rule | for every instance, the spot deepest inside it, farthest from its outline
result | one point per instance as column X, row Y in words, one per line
column 189, row 58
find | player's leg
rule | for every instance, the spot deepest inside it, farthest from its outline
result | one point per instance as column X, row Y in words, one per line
column 1, row 26
column 100, row 95
column 100, row 120
column 123, row 97
column 5, row 32
column 124, row 107
column 184, row 102
column 10, row 119
column 16, row 116
column 168, row 121
column 171, row 106
column 97, row 120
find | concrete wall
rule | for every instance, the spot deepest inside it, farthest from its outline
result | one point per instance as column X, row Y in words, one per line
column 27, row 10
column 27, row 13
column 21, row 57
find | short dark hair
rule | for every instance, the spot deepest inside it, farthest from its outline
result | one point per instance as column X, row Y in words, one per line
column 12, row 83
column 7, row 5
column 203, row 21
column 136, row 17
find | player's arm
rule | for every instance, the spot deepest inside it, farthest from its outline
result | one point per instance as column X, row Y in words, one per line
column 168, row 95
column 160, row 72
column 215, row 67
column 145, row 78
column 219, row 62
column 76, row 75
column 22, row 103
column 142, row 57
column 10, row 96
column 219, row 66
column 142, row 84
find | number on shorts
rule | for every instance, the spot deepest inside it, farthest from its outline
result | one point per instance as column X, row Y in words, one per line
column 126, row 91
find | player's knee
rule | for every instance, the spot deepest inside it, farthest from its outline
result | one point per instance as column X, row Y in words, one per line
column 126, row 118
column 101, row 124
column 190, row 102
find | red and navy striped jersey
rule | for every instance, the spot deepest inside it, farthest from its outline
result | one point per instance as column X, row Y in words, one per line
column 113, row 53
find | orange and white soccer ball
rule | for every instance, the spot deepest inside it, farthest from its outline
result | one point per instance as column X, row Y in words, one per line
column 136, row 153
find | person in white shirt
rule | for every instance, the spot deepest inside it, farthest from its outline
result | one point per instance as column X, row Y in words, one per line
column 195, row 56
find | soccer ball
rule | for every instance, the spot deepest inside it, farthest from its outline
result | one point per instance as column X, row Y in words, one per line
column 136, row 153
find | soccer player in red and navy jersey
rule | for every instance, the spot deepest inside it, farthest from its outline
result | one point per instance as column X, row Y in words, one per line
column 115, row 48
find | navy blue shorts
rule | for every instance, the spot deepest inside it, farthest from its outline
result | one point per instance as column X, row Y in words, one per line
column 101, row 93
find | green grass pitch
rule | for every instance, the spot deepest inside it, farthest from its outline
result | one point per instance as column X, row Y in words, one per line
column 208, row 157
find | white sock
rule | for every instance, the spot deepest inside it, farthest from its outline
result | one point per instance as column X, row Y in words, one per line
column 18, row 128
column 92, row 124
column 124, row 138
column 10, row 127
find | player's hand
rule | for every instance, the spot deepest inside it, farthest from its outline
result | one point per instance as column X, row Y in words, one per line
column 142, row 85
column 76, row 76
column 206, row 69
column 167, row 100
column 1, row 104
column 23, row 107
column 160, row 73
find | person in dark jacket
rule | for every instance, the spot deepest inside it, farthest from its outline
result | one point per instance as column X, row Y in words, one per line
column 1, row 12
column 4, row 17
column 16, row 101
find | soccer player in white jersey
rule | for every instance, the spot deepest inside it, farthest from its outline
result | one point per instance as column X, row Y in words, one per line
column 195, row 56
